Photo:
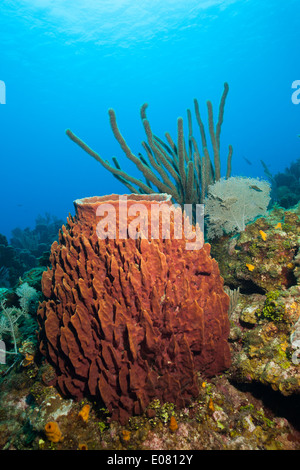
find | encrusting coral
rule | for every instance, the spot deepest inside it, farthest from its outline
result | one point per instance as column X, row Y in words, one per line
column 264, row 256
column 130, row 320
column 173, row 168
column 262, row 262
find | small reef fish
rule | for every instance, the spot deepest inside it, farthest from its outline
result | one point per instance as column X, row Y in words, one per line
column 256, row 188
column 247, row 161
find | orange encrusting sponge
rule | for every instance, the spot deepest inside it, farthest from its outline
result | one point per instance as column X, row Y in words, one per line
column 84, row 413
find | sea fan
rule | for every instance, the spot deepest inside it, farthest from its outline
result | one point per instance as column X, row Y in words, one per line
column 232, row 203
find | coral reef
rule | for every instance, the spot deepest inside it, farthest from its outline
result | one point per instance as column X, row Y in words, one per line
column 254, row 405
column 4, row 277
column 285, row 185
column 262, row 263
column 261, row 339
column 129, row 320
column 221, row 418
column 28, row 249
column 39, row 239
column 173, row 168
column 263, row 258
column 10, row 260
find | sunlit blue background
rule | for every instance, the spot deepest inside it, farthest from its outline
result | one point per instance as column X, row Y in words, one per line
column 65, row 63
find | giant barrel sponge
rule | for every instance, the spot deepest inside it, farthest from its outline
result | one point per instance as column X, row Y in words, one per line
column 128, row 320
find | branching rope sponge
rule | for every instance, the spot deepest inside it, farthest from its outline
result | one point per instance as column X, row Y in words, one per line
column 173, row 168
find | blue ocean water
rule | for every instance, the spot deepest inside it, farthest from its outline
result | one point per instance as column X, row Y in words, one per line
column 65, row 63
